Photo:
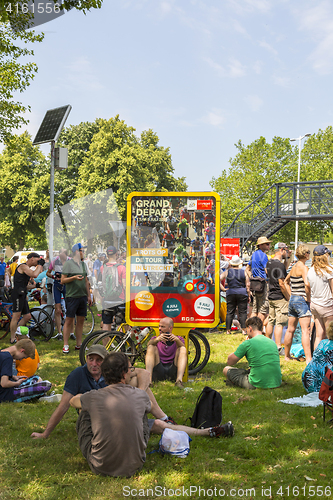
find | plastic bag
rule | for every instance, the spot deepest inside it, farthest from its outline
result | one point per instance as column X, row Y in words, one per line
column 175, row 443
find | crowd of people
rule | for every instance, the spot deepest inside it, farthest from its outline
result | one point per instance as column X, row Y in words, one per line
column 277, row 295
column 267, row 294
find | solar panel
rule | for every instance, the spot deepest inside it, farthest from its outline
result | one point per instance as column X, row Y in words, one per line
column 52, row 124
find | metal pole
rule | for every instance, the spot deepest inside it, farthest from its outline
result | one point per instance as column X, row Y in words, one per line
column 51, row 202
column 51, row 229
column 298, row 180
column 297, row 194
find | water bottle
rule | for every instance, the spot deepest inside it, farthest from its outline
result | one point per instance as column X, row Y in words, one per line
column 140, row 334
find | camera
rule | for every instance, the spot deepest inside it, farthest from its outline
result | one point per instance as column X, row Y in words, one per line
column 169, row 342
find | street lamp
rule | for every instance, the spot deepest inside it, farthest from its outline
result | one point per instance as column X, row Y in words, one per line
column 299, row 139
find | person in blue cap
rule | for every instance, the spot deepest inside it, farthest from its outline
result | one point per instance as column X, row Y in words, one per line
column 75, row 276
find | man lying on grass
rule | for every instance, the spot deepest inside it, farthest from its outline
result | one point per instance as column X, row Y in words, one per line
column 263, row 357
column 12, row 387
column 85, row 378
column 113, row 428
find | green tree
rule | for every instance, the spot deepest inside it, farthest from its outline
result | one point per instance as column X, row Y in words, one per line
column 15, row 76
column 24, row 194
column 77, row 139
column 119, row 160
column 259, row 165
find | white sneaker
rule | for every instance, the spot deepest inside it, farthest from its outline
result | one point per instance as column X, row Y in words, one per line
column 54, row 398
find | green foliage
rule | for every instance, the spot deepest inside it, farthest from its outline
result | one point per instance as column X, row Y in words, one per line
column 119, row 160
column 77, row 138
column 15, row 76
column 24, row 194
column 259, row 165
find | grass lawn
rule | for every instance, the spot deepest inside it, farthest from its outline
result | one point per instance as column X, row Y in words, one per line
column 279, row 451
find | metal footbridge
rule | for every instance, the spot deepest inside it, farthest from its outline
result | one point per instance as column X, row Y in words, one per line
column 278, row 205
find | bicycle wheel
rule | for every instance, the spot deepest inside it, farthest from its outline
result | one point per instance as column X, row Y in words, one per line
column 115, row 342
column 4, row 323
column 112, row 341
column 87, row 342
column 41, row 324
column 193, row 352
column 89, row 322
column 204, row 351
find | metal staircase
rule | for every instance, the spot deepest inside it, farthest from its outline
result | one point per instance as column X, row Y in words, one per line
column 278, row 205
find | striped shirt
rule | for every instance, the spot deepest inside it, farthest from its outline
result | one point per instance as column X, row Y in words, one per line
column 297, row 286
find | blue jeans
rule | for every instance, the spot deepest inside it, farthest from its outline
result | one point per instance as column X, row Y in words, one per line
column 298, row 307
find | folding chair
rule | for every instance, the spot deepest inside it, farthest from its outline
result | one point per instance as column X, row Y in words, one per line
column 326, row 392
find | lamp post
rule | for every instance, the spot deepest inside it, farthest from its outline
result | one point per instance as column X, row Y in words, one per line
column 299, row 139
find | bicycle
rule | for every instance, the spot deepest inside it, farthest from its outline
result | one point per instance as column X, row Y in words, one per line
column 133, row 340
column 40, row 325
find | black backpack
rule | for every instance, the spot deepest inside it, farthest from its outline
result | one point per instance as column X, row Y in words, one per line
column 208, row 410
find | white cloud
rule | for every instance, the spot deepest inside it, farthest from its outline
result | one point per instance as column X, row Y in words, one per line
column 318, row 21
column 245, row 6
column 214, row 117
column 254, row 102
column 282, row 81
column 268, row 47
column 257, row 67
column 82, row 75
column 235, row 68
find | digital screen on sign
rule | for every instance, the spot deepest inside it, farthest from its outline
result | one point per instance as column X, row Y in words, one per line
column 173, row 258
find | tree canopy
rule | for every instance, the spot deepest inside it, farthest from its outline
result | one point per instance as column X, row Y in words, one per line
column 24, row 194
column 260, row 164
column 15, row 76
column 120, row 160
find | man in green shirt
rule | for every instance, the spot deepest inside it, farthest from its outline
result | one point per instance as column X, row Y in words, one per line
column 74, row 276
column 263, row 357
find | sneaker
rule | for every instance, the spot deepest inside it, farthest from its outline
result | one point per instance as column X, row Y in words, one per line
column 58, row 336
column 170, row 420
column 77, row 347
column 179, row 384
column 53, row 398
column 65, row 349
column 226, row 430
column 72, row 336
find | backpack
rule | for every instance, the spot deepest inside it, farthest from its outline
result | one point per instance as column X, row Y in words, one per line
column 208, row 409
column 112, row 288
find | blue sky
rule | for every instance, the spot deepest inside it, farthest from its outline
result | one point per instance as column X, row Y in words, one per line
column 201, row 74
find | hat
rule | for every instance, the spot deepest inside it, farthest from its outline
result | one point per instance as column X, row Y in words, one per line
column 77, row 246
column 111, row 250
column 33, row 254
column 262, row 240
column 280, row 246
column 97, row 349
column 321, row 250
column 236, row 261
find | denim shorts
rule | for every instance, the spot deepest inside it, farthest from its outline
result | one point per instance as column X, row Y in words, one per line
column 298, row 307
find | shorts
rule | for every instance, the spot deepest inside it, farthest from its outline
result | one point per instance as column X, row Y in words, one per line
column 298, row 307
column 239, row 377
column 166, row 371
column 321, row 311
column 58, row 289
column 20, row 303
column 260, row 302
column 108, row 315
column 278, row 312
column 76, row 306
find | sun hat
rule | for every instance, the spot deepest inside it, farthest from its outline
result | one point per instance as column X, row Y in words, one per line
column 262, row 240
column 236, row 261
